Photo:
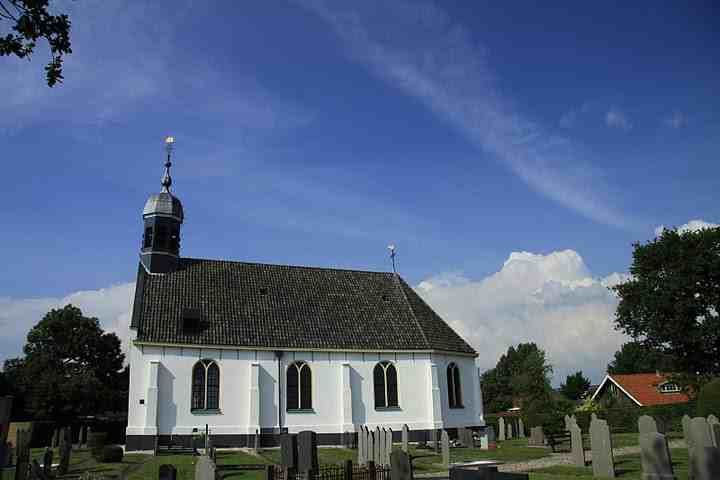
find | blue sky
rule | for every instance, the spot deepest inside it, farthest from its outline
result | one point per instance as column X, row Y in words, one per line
column 318, row 132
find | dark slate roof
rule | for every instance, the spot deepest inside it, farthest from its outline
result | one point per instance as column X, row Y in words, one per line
column 286, row 307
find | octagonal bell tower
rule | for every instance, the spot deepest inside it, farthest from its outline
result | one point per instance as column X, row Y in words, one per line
column 162, row 218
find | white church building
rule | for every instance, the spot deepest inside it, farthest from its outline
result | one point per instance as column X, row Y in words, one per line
column 250, row 348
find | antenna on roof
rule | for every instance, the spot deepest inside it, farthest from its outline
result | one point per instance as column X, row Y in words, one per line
column 391, row 247
column 167, row 181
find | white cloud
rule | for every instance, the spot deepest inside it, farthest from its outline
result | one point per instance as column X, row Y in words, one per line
column 112, row 306
column 549, row 299
column 616, row 119
column 675, row 120
column 691, row 226
column 419, row 50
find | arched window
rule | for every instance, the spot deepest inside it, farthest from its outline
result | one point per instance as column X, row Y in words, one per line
column 299, row 387
column 453, row 384
column 205, row 386
column 385, row 381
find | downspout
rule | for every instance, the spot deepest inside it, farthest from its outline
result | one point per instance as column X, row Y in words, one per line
column 279, row 355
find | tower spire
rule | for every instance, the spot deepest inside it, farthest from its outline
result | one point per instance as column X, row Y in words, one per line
column 167, row 180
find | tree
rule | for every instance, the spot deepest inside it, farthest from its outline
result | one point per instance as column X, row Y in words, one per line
column 672, row 301
column 71, row 366
column 31, row 21
column 575, row 386
column 635, row 357
column 708, row 399
column 521, row 375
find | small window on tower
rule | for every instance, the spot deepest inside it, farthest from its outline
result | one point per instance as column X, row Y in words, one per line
column 148, row 237
column 161, row 236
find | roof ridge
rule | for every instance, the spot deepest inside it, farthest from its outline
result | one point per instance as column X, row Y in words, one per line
column 398, row 279
column 305, row 267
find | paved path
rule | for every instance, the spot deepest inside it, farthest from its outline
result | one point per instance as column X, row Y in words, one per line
column 564, row 458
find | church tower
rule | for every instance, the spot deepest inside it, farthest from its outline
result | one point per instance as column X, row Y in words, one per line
column 162, row 217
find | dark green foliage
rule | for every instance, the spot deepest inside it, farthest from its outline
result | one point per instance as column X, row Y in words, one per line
column 96, row 443
column 30, row 22
column 671, row 304
column 71, row 367
column 521, row 375
column 575, row 386
column 708, row 399
column 635, row 357
column 111, row 454
column 624, row 420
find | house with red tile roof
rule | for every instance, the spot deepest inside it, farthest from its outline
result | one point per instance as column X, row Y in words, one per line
column 639, row 390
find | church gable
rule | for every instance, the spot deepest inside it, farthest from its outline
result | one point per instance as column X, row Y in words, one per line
column 239, row 304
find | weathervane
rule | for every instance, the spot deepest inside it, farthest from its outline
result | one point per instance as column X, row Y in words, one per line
column 167, row 181
column 391, row 247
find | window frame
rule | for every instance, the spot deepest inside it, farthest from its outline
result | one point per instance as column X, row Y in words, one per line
column 454, row 386
column 299, row 367
column 385, row 365
column 206, row 364
column 672, row 387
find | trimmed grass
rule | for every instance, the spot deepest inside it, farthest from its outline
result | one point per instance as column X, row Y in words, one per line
column 627, row 467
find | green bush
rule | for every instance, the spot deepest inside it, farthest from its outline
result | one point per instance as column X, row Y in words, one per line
column 96, row 443
column 708, row 399
column 111, row 454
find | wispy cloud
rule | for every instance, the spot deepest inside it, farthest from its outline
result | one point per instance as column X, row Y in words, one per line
column 615, row 118
column 420, row 51
column 675, row 120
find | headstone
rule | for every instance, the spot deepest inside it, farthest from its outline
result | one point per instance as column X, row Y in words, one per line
column 576, row 446
column 509, row 435
column 379, row 441
column 593, row 417
column 655, row 456
column 388, row 445
column 22, row 455
column 205, row 468
column 370, row 452
column 567, row 422
column 601, row 445
column 647, row 424
column 307, row 451
column 400, row 467
column 47, row 461
column 712, row 419
column 405, row 438
column 704, row 456
column 361, row 446
column 715, row 432
column 82, row 439
column 288, row 451
column 490, row 430
column 436, row 440
column 501, row 429
column 381, row 447
column 686, row 434
column 167, row 472
column 65, row 450
column 521, row 428
column 445, row 440
column 484, row 441
column 461, row 436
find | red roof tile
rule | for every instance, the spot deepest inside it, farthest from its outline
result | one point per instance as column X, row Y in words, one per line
column 644, row 388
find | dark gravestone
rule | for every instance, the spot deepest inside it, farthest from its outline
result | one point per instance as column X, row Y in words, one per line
column 65, row 450
column 47, row 461
column 307, row 451
column 405, row 437
column 167, row 472
column 655, row 457
column 288, row 451
column 435, row 440
column 400, row 468
column 704, row 455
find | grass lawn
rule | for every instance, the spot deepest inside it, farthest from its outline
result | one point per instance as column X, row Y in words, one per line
column 627, row 467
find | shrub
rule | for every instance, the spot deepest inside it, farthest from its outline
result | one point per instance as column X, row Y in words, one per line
column 96, row 442
column 111, row 454
column 708, row 399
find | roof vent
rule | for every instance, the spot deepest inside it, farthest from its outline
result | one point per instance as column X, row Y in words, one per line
column 385, row 297
column 263, row 291
column 192, row 320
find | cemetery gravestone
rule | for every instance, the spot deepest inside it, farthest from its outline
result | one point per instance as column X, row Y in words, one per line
column 501, row 429
column 288, row 451
column 22, row 455
column 382, row 448
column 593, row 416
column 307, row 451
column 400, row 467
column 47, row 461
column 205, row 469
column 445, row 440
column 647, row 424
column 510, row 431
column 484, row 443
column 492, row 440
column 601, row 445
column 436, row 441
column 576, row 445
column 167, row 472
column 370, row 453
column 362, row 438
column 567, row 422
column 704, row 456
column 521, row 428
column 655, row 457
column 461, row 436
column 405, row 438
column 65, row 450
column 388, row 445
